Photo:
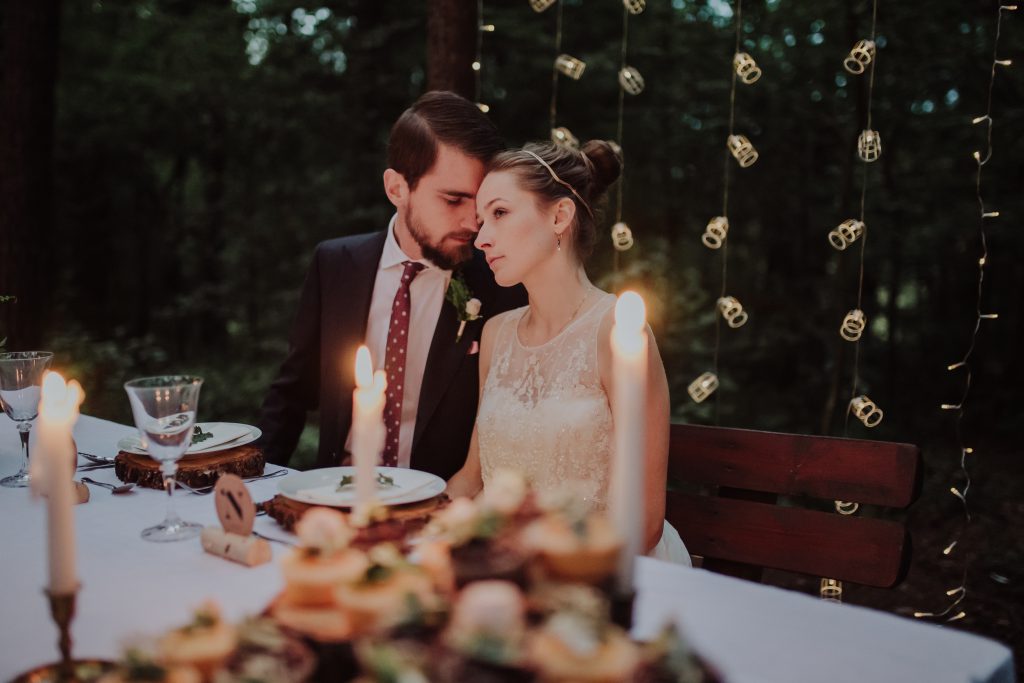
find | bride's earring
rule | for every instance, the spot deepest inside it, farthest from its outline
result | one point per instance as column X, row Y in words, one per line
column 558, row 243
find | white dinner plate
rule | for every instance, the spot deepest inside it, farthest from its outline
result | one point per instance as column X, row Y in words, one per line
column 246, row 434
column 320, row 487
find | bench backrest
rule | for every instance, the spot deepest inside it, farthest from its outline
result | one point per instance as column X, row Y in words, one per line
column 741, row 527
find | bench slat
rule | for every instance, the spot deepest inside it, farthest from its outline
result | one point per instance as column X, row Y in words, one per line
column 871, row 472
column 859, row 549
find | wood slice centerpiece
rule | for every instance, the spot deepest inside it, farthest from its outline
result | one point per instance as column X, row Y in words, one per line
column 401, row 521
column 194, row 471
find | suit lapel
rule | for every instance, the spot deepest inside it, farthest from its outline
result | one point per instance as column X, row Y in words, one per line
column 444, row 358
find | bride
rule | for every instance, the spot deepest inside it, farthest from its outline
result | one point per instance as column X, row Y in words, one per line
column 546, row 368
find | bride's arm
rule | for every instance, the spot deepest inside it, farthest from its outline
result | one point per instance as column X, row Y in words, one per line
column 656, row 451
column 468, row 481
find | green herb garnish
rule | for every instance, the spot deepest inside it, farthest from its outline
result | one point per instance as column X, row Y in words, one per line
column 199, row 436
column 383, row 481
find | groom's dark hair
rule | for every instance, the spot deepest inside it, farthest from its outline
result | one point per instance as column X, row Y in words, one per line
column 439, row 117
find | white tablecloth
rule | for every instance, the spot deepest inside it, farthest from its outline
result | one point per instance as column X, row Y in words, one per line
column 751, row 632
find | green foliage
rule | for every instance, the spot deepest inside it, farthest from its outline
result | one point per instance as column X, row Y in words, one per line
column 203, row 149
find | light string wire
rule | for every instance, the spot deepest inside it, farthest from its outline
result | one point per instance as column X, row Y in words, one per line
column 554, row 67
column 959, row 593
column 726, row 176
column 481, row 29
column 864, row 236
column 618, row 132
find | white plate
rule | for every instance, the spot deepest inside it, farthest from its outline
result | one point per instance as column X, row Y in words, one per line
column 319, row 487
column 133, row 444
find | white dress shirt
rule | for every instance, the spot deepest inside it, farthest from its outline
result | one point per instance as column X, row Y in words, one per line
column 426, row 298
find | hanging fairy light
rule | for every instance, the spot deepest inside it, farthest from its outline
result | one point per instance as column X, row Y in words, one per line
column 746, row 68
column 869, row 145
column 631, row 81
column 634, row 6
column 846, row 233
column 853, row 325
column 958, row 594
column 860, row 57
column 622, row 237
column 703, row 386
column 866, row 411
column 563, row 137
column 541, row 5
column 570, row 66
column 742, row 150
column 732, row 311
column 714, row 235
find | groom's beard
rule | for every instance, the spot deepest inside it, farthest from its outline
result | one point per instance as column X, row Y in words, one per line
column 445, row 257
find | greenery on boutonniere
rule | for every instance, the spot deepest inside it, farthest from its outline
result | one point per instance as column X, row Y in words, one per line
column 466, row 305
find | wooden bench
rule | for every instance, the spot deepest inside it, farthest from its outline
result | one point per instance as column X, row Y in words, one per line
column 757, row 492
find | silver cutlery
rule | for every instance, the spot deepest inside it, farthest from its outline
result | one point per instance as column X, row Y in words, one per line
column 114, row 488
column 205, row 490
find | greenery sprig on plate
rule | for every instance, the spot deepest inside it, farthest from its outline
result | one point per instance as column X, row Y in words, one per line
column 383, row 481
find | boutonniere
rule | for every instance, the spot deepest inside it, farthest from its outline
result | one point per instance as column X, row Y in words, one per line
column 461, row 297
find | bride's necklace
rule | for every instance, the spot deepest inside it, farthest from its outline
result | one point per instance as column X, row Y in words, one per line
column 586, row 295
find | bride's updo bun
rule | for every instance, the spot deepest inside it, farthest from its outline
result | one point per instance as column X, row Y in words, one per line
column 585, row 176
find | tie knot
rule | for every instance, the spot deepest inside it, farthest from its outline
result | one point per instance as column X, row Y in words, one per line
column 412, row 268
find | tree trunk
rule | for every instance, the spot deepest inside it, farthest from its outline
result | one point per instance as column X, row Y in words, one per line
column 452, row 27
column 27, row 109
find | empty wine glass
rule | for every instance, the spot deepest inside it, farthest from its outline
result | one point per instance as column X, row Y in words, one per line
column 164, row 409
column 21, row 381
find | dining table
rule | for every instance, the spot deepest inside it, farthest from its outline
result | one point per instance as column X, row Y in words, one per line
column 133, row 589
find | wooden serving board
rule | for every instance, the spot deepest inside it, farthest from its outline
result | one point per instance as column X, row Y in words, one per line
column 402, row 520
column 202, row 470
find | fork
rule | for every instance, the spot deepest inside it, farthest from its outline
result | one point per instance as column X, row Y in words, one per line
column 205, row 490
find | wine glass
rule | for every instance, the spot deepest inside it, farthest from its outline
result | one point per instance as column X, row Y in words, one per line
column 164, row 409
column 21, row 381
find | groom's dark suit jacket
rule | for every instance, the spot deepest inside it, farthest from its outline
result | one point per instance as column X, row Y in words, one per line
column 319, row 371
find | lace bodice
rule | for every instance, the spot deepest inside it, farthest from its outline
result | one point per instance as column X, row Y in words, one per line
column 543, row 411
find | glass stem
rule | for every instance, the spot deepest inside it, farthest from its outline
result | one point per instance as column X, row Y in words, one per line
column 23, row 429
column 169, row 470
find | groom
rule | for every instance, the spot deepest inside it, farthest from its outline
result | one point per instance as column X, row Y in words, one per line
column 388, row 290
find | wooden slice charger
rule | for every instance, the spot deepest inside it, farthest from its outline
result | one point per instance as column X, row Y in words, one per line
column 401, row 521
column 194, row 471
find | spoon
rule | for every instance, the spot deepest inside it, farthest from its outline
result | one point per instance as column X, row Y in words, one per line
column 123, row 488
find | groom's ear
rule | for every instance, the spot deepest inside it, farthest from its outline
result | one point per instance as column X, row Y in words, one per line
column 396, row 188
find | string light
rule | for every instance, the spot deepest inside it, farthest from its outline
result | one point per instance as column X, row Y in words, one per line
column 482, row 28
column 632, row 83
column 743, row 69
column 984, row 214
column 869, row 148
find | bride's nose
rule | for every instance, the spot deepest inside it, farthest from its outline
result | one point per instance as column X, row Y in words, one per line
column 483, row 238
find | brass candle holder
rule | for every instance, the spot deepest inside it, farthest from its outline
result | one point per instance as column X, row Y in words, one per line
column 66, row 670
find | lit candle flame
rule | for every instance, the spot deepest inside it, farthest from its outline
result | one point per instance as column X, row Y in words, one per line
column 364, row 368
column 60, row 400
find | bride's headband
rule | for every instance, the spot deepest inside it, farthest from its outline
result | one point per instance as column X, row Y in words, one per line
column 554, row 176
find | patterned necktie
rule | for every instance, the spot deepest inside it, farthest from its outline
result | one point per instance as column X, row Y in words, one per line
column 394, row 361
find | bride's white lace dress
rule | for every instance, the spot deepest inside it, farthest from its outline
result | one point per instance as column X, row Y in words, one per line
column 544, row 413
